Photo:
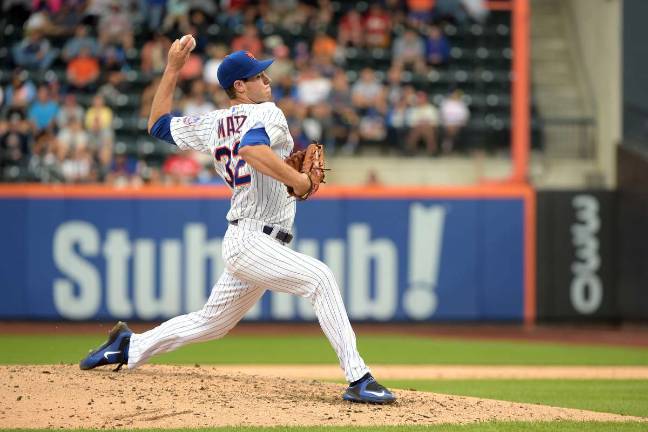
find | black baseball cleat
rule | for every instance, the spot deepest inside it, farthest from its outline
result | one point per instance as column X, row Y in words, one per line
column 367, row 390
column 113, row 351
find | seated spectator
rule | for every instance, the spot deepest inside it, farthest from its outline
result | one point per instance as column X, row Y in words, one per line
column 394, row 86
column 367, row 91
column 124, row 170
column 372, row 127
column 377, row 27
column 193, row 68
column 99, row 117
column 79, row 166
column 216, row 55
column 151, row 13
column 422, row 119
column 408, row 51
column 454, row 116
column 476, row 9
column 285, row 87
column 147, row 97
column 40, row 21
column 116, row 26
column 15, row 143
column 324, row 47
column 312, row 88
column 113, row 59
column 81, row 39
column 44, row 164
column 420, row 12
column 154, row 54
column 199, row 28
column 114, row 90
column 196, row 104
column 34, row 51
column 283, row 65
column 20, row 92
column 99, row 125
column 177, row 16
column 70, row 137
column 70, row 109
column 68, row 17
column 318, row 125
column 249, row 41
column 345, row 124
column 42, row 113
column 351, row 30
column 437, row 47
column 396, row 123
column 181, row 168
column 83, row 71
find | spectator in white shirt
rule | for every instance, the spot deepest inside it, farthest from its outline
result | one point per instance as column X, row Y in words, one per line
column 454, row 116
column 422, row 119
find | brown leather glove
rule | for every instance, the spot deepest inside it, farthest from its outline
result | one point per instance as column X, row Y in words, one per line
column 310, row 161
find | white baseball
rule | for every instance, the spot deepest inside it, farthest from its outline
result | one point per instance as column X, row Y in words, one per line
column 191, row 40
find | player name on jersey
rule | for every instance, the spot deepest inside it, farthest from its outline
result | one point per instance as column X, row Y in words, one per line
column 230, row 125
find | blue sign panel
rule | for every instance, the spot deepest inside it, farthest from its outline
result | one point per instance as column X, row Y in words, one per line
column 152, row 259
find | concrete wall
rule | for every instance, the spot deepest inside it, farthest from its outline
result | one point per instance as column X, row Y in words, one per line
column 599, row 34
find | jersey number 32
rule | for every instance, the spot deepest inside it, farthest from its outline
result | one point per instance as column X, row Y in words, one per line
column 233, row 178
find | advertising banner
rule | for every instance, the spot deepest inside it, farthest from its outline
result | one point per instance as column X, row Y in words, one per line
column 575, row 259
column 150, row 258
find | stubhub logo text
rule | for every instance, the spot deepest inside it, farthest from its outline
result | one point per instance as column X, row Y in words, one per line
column 148, row 278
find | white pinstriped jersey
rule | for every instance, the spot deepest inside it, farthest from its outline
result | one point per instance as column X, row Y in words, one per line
column 254, row 195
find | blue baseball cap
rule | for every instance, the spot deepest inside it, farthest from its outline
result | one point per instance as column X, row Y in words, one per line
column 240, row 65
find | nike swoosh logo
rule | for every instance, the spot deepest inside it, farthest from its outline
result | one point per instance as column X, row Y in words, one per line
column 107, row 353
column 379, row 394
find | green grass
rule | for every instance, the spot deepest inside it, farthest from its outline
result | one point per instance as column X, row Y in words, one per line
column 481, row 427
column 627, row 397
column 40, row 349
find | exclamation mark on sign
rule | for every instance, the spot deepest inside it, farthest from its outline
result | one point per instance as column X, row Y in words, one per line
column 425, row 242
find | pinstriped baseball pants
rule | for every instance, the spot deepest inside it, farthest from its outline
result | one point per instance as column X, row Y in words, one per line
column 254, row 263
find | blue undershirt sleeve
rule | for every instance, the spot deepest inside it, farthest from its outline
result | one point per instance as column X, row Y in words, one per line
column 162, row 129
column 257, row 136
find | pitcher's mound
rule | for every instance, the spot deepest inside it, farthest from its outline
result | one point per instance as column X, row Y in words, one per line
column 189, row 397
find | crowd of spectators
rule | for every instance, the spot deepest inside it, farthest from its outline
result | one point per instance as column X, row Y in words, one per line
column 62, row 130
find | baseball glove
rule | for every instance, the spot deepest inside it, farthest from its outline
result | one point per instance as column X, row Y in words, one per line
column 311, row 162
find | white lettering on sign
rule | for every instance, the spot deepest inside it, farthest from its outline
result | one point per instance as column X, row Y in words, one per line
column 147, row 278
column 586, row 290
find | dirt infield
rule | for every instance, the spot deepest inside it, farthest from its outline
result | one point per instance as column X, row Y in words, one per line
column 62, row 396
